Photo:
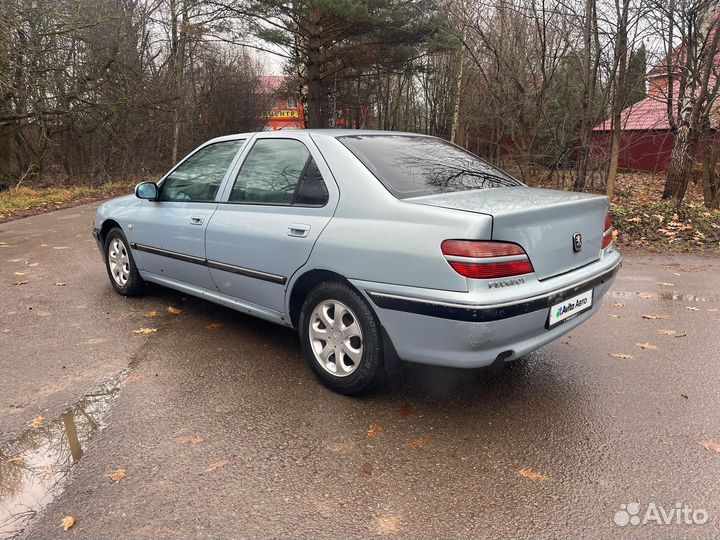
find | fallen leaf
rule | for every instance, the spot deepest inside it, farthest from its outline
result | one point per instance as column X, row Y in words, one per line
column 20, row 273
column 134, row 378
column 118, row 475
column 667, row 332
column 365, row 468
column 647, row 346
column 33, row 264
column 17, row 459
column 677, row 274
column 37, row 422
column 145, row 331
column 712, row 309
column 681, row 335
column 60, row 284
column 685, row 396
column 190, row 439
column 214, row 326
column 152, row 314
column 42, row 313
column 387, row 525
column 217, row 465
column 61, row 247
column 710, row 445
column 654, row 317
column 374, row 430
column 173, row 310
column 665, row 283
column 615, row 315
column 618, row 304
column 692, row 308
column 422, row 442
column 622, row 355
column 20, row 283
column 406, row 411
column 532, row 475
column 68, row 522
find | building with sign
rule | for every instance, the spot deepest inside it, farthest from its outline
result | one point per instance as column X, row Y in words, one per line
column 284, row 111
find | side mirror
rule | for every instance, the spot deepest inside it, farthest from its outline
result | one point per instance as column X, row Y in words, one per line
column 147, row 190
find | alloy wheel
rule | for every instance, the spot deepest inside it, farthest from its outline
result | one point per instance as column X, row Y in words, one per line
column 336, row 338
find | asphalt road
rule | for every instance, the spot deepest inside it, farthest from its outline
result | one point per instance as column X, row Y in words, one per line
column 222, row 430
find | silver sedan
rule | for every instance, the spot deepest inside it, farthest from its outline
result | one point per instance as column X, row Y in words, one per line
column 377, row 247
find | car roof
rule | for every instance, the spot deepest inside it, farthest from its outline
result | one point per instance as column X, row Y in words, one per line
column 317, row 132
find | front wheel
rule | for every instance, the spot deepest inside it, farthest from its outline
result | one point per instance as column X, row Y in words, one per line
column 121, row 269
column 341, row 339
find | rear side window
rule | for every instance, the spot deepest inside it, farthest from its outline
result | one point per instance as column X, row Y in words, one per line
column 312, row 190
column 199, row 176
column 413, row 166
column 279, row 171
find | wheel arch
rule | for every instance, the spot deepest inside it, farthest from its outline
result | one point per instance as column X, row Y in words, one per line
column 106, row 227
column 307, row 281
column 304, row 284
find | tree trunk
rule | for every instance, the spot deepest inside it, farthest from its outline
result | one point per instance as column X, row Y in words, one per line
column 711, row 180
column 317, row 94
column 177, row 68
column 458, row 83
column 678, row 174
column 618, row 99
column 587, row 98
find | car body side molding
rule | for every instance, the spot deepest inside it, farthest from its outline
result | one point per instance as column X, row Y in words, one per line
column 217, row 265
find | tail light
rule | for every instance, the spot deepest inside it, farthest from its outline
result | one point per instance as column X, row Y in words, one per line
column 608, row 233
column 486, row 260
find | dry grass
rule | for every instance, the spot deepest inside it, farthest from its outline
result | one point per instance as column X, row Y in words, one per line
column 24, row 201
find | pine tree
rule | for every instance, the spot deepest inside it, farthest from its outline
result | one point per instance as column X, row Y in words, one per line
column 324, row 38
column 637, row 67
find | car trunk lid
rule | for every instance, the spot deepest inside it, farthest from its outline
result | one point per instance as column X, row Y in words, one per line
column 542, row 221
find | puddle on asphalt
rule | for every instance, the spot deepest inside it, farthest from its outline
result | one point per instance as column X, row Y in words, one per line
column 35, row 465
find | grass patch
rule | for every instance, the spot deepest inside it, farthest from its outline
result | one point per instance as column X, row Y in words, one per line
column 25, row 201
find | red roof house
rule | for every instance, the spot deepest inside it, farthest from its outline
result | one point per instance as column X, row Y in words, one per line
column 646, row 140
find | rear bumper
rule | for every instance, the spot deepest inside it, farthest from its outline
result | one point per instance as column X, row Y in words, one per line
column 465, row 335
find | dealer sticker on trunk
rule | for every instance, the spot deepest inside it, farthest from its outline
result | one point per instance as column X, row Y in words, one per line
column 570, row 308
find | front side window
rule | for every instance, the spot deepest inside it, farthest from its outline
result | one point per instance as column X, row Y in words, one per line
column 198, row 178
column 279, row 171
column 413, row 166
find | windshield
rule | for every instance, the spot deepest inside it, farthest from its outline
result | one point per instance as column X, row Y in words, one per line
column 413, row 166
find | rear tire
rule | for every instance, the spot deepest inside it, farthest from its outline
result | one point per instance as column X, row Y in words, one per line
column 124, row 275
column 342, row 339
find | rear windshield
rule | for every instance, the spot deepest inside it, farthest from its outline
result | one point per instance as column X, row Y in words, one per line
column 412, row 166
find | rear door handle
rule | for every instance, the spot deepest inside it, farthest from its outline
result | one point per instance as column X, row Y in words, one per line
column 300, row 230
column 196, row 220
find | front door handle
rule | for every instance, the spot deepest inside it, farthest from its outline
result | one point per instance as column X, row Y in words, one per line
column 197, row 220
column 300, row 230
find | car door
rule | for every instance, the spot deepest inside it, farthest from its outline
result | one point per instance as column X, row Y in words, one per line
column 168, row 234
column 268, row 218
